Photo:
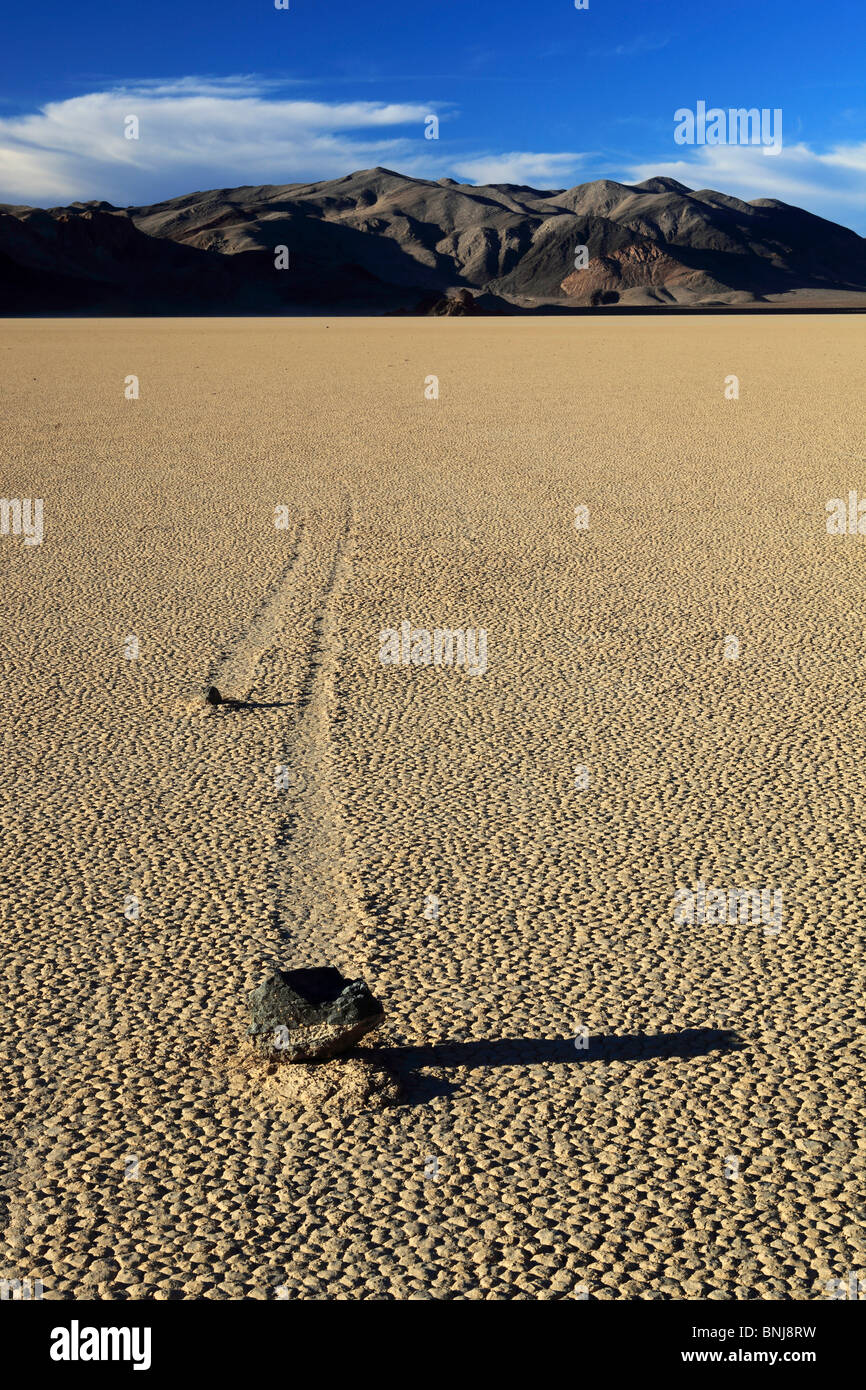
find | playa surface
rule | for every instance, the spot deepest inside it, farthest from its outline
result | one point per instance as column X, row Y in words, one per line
column 598, row 1100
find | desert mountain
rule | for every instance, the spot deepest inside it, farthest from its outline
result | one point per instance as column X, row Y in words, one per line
column 378, row 241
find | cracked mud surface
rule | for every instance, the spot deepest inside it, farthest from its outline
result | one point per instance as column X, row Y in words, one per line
column 573, row 1094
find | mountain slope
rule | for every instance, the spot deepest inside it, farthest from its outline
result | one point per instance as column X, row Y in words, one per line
column 380, row 241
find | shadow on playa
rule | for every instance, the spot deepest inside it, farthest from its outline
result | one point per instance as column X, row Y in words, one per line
column 405, row 1062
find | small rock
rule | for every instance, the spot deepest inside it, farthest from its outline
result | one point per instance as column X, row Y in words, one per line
column 212, row 696
column 302, row 1015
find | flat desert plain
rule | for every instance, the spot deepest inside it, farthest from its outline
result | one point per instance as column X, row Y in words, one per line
column 589, row 1083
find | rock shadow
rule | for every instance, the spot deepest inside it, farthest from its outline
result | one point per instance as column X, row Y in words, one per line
column 406, row 1062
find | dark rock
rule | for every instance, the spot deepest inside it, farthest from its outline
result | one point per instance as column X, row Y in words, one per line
column 212, row 696
column 438, row 306
column 449, row 305
column 301, row 1015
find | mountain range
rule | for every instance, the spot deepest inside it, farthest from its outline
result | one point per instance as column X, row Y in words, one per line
column 378, row 242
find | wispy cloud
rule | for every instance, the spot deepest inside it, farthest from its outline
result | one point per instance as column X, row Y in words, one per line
column 242, row 84
column 830, row 183
column 201, row 132
column 196, row 132
column 520, row 167
column 641, row 43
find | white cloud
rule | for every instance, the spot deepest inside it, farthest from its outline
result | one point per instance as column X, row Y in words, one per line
column 206, row 132
column 196, row 133
column 829, row 184
column 539, row 170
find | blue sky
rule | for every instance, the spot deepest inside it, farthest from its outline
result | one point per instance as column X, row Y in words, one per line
column 536, row 92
